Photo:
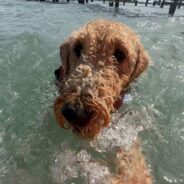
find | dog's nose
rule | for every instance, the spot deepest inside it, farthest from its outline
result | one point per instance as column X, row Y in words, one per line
column 69, row 111
column 75, row 115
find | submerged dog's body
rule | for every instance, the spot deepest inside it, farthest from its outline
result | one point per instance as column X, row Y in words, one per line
column 98, row 64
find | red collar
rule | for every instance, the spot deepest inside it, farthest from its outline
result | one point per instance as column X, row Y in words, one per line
column 119, row 102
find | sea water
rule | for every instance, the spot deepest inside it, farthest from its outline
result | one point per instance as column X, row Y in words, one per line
column 33, row 149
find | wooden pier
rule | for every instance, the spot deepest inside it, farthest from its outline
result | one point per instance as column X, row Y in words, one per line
column 173, row 4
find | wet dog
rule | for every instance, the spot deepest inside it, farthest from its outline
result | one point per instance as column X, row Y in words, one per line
column 99, row 62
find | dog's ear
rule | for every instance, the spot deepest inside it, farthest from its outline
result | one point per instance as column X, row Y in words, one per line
column 143, row 60
column 64, row 55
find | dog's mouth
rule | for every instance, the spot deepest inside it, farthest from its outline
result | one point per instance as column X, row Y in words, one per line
column 85, row 128
column 89, row 131
column 84, row 121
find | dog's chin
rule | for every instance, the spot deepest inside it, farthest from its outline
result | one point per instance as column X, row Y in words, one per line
column 89, row 131
column 85, row 133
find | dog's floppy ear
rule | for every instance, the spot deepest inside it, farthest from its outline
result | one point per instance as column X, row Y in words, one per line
column 64, row 55
column 143, row 60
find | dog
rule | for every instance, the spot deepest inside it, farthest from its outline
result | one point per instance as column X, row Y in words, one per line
column 99, row 62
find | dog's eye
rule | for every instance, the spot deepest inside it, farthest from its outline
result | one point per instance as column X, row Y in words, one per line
column 78, row 49
column 119, row 55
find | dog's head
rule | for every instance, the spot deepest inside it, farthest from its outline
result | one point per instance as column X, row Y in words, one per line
column 98, row 63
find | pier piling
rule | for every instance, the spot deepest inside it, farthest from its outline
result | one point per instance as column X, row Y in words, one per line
column 81, row 1
column 146, row 4
column 116, row 3
column 179, row 4
column 173, row 6
column 111, row 3
column 162, row 4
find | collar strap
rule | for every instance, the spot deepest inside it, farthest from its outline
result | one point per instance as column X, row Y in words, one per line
column 119, row 102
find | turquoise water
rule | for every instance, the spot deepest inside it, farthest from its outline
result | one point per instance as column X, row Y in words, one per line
column 32, row 147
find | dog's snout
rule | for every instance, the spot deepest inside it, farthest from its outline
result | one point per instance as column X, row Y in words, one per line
column 75, row 115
